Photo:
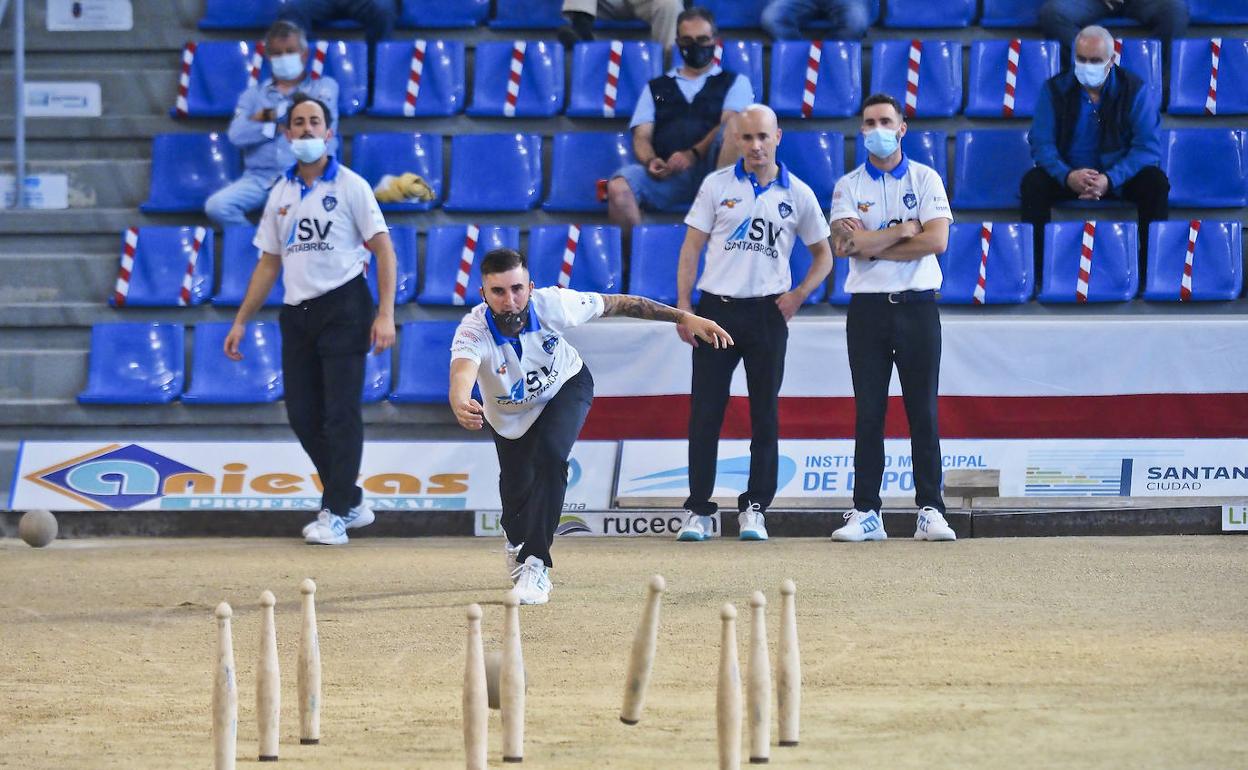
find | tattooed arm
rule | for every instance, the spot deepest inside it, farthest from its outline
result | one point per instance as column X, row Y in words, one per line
column 632, row 306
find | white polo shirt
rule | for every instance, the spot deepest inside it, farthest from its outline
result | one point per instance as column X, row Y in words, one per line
column 882, row 199
column 752, row 230
column 320, row 231
column 515, row 386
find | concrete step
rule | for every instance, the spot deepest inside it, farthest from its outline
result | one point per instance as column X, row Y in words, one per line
column 57, row 278
column 52, row 374
column 97, row 183
column 147, row 91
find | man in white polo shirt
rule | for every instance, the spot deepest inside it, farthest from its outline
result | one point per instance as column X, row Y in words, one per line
column 891, row 217
column 751, row 213
column 318, row 220
column 536, row 392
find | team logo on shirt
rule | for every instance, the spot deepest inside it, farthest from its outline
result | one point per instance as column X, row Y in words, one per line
column 282, row 211
column 730, row 202
column 755, row 234
column 500, row 371
column 550, row 343
column 865, row 206
column 785, row 210
column 329, row 202
column 909, row 200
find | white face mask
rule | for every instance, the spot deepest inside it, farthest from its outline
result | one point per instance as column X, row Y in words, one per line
column 1091, row 74
column 308, row 150
column 288, row 66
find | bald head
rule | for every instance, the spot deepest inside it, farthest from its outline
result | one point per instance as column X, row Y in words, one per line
column 758, row 134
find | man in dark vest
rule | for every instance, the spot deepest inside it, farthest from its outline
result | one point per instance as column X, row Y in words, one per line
column 1095, row 136
column 677, row 128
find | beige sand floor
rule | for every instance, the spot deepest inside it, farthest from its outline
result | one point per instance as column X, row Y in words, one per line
column 1098, row 653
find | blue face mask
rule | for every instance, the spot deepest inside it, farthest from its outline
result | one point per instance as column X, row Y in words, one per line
column 288, row 66
column 882, row 142
column 308, row 150
column 1091, row 74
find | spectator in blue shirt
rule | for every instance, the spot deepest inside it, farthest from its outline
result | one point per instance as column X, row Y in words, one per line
column 257, row 115
column 783, row 19
column 1095, row 136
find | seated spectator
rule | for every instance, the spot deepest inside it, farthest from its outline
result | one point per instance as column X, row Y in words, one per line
column 678, row 127
column 255, row 126
column 1095, row 136
column 659, row 14
column 783, row 19
column 1062, row 19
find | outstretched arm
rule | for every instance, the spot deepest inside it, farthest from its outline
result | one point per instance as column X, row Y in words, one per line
column 632, row 306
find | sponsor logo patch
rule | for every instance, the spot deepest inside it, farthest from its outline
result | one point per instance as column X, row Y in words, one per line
column 329, row 202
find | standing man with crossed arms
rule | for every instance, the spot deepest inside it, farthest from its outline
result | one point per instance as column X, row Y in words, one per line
column 316, row 224
column 891, row 217
column 751, row 213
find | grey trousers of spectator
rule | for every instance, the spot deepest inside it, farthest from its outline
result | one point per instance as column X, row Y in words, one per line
column 659, row 14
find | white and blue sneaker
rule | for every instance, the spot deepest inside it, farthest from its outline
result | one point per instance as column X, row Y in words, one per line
column 860, row 526
column 752, row 525
column 932, row 526
column 510, row 552
column 533, row 582
column 359, row 516
column 328, row 529
column 696, row 528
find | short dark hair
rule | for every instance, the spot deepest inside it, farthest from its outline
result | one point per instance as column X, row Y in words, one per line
column 697, row 12
column 882, row 98
column 299, row 98
column 502, row 260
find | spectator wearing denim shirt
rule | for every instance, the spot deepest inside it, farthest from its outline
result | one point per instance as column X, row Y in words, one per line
column 254, row 128
column 1095, row 136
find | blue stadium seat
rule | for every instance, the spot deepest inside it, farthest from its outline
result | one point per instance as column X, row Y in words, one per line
column 1206, row 166
column 443, row 14
column 988, row 167
column 404, row 239
column 135, row 363
column 931, row 148
column 817, row 158
column 799, row 264
column 652, row 265
column 735, row 14
column 444, row 249
column 377, row 376
column 1217, row 262
column 578, row 161
column 541, row 79
column 926, row 14
column 376, row 155
column 347, row 63
column 1010, row 13
column 1008, row 275
column 1142, row 58
column 840, row 271
column 744, row 57
column 940, row 75
column 239, row 14
column 218, row 75
column 161, row 258
column 187, row 168
column 640, row 62
column 440, row 91
column 216, row 379
column 495, row 172
column 838, row 91
column 528, row 14
column 1191, row 63
column 1114, row 276
column 238, row 260
column 1217, row 12
column 1038, row 61
column 596, row 265
column 424, row 362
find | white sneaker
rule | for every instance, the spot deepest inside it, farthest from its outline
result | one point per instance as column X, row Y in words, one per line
column 328, row 529
column 932, row 526
column 533, row 582
column 359, row 516
column 696, row 528
column 752, row 525
column 859, row 526
column 510, row 552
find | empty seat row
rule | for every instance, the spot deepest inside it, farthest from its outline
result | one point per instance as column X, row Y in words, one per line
column 730, row 14
column 145, row 363
column 420, row 78
column 1207, row 167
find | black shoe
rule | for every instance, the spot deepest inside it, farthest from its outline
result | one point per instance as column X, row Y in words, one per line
column 570, row 37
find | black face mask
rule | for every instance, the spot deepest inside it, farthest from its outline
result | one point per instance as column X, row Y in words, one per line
column 510, row 324
column 697, row 56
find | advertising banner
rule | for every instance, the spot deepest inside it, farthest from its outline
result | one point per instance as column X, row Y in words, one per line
column 161, row 475
column 602, row 524
column 90, row 15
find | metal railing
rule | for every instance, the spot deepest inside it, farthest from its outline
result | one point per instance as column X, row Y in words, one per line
column 19, row 100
